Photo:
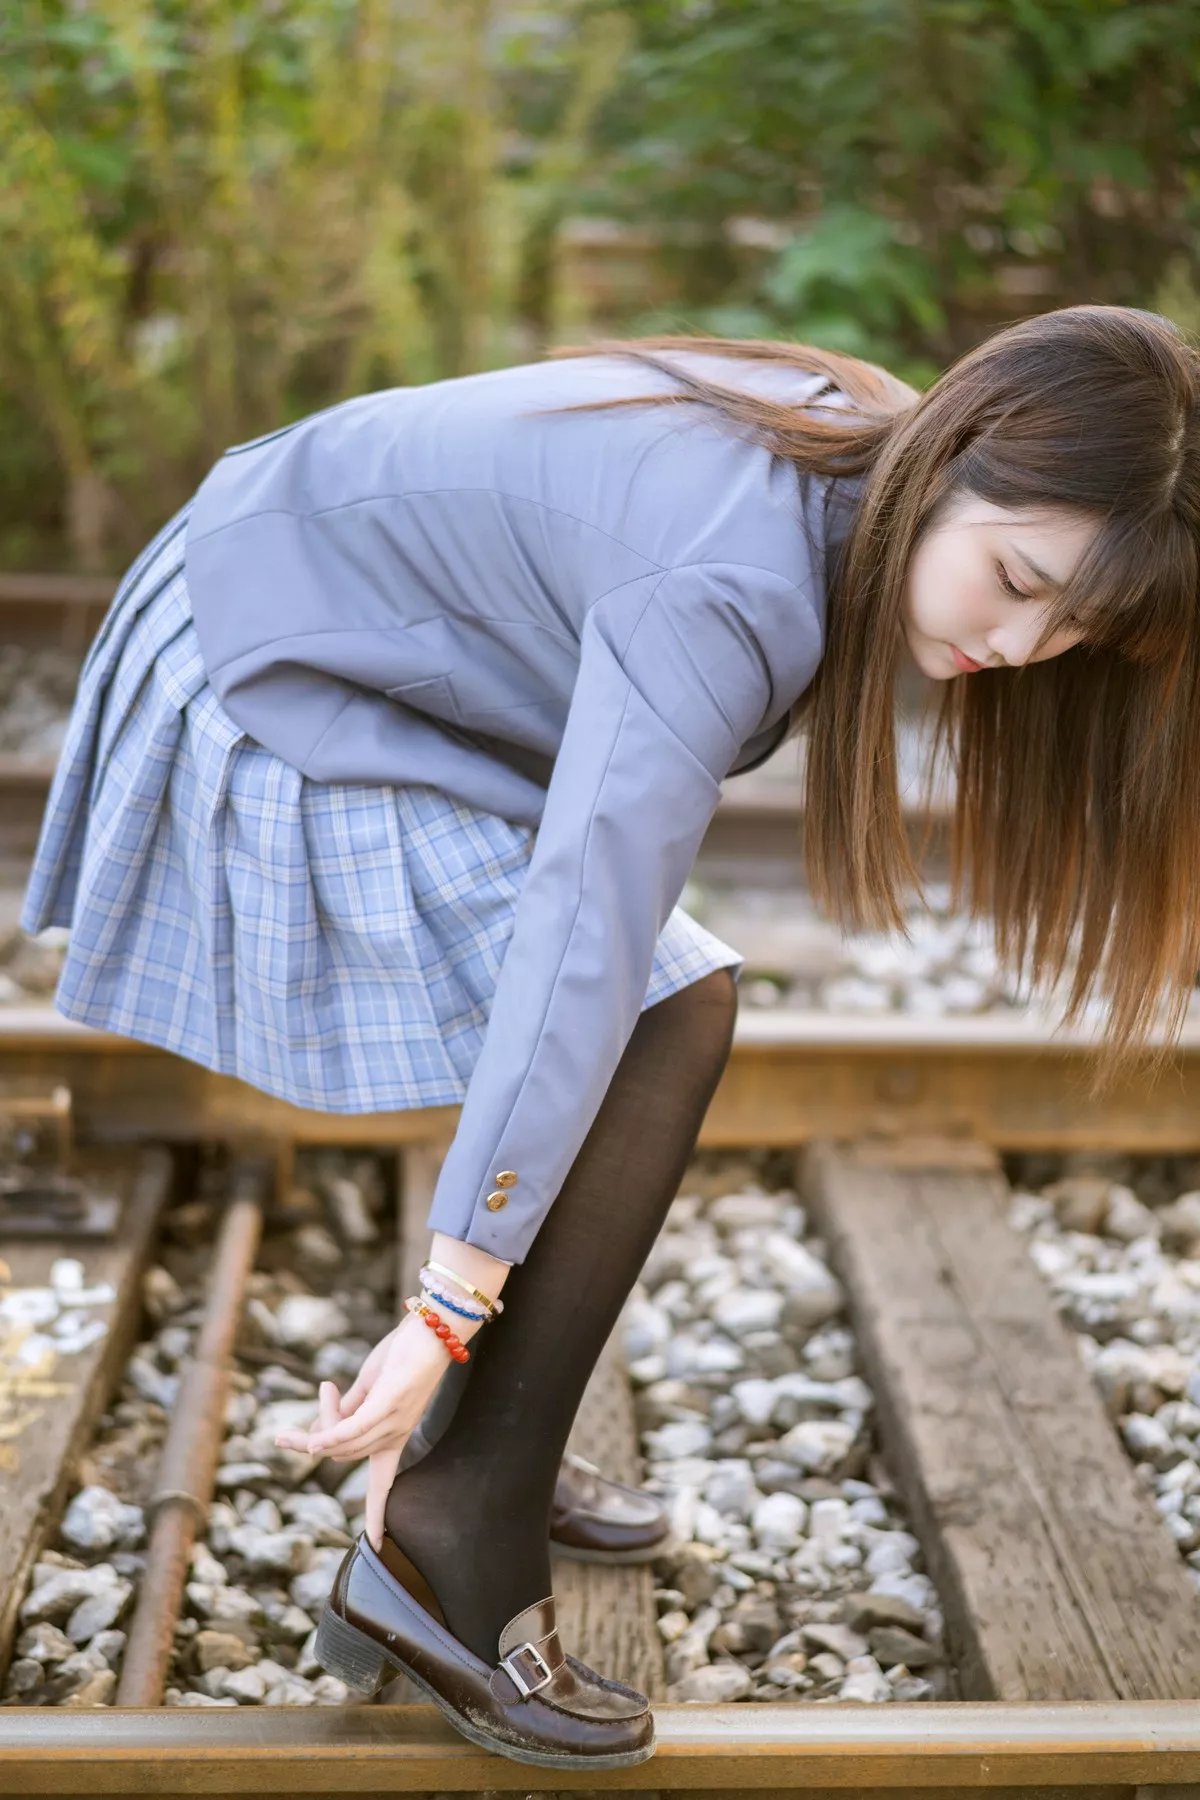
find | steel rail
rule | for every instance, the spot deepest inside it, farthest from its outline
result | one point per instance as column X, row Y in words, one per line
column 178, row 1504
column 949, row 1748
column 1010, row 1080
column 36, row 589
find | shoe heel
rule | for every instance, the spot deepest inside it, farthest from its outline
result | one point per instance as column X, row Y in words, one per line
column 348, row 1653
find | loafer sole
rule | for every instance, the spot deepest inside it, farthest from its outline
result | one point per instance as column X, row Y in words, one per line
column 640, row 1554
column 358, row 1660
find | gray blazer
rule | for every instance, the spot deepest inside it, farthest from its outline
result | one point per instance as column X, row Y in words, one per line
column 580, row 621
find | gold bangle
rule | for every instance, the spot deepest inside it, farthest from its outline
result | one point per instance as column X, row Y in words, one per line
column 493, row 1306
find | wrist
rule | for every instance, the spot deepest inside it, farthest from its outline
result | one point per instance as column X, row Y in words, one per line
column 476, row 1266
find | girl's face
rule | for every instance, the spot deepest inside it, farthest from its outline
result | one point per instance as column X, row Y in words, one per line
column 979, row 582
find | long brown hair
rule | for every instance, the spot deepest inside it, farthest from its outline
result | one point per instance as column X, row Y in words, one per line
column 1076, row 824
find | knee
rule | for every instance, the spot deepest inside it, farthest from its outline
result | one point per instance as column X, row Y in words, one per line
column 705, row 1012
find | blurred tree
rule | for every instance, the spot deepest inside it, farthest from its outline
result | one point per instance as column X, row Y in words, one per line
column 216, row 215
column 943, row 164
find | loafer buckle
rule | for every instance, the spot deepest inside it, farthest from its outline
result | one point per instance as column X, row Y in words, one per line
column 523, row 1687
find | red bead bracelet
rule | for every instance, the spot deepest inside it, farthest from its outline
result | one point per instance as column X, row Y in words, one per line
column 454, row 1345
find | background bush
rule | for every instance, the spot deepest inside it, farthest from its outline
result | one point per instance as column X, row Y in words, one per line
column 217, row 215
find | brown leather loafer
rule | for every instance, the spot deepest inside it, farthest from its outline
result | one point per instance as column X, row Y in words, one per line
column 537, row 1705
column 596, row 1519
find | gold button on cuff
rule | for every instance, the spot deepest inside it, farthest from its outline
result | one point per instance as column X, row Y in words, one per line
column 506, row 1178
column 496, row 1201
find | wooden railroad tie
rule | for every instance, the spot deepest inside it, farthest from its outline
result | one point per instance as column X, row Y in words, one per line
column 1059, row 1580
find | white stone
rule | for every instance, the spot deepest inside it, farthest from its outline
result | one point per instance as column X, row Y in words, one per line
column 351, row 1213
column 225, row 1605
column 110, row 1645
column 730, row 1487
column 1145, row 1439
column 291, row 1691
column 98, row 1611
column 264, row 1515
column 57, row 1596
column 713, row 1685
column 150, row 1382
column 30, row 1306
column 918, row 1590
column 1126, row 1217
column 318, row 1513
column 817, row 1445
column 311, row 1589
column 743, row 1310
column 272, row 1552
column 688, row 1357
column 97, row 1520
column 352, row 1492
column 853, row 994
column 889, row 1557
column 829, row 1520
column 307, row 1321
column 646, row 1328
column 840, row 1639
column 679, row 1437
column 328, row 1690
column 814, row 1292
column 245, row 1685
column 778, row 1521
column 1180, row 1222
column 755, row 1399
column 865, row 1682
column 733, row 1212
column 869, row 1510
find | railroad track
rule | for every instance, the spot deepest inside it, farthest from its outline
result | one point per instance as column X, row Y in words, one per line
column 1071, row 1620
column 1074, row 1630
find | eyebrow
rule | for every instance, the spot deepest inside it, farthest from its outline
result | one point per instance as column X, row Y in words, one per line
column 1041, row 575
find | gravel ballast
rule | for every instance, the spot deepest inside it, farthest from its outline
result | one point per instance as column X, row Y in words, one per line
column 280, row 1523
column 1117, row 1239
column 793, row 1574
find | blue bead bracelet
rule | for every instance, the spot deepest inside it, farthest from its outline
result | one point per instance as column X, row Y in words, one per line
column 463, row 1312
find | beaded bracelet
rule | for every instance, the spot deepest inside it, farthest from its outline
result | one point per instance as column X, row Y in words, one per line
column 473, row 1293
column 454, row 1345
column 478, row 1317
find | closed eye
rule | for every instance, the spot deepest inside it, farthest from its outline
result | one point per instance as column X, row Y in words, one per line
column 1009, row 585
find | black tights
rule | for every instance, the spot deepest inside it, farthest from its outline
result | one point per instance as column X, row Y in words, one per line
column 474, row 1514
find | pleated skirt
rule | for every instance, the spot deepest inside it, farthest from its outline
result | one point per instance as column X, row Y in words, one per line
column 334, row 945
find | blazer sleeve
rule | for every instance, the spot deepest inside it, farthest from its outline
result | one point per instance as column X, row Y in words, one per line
column 674, row 677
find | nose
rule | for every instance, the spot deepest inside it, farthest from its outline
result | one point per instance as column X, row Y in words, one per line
column 1017, row 640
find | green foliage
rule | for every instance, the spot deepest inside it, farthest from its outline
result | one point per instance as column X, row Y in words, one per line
column 216, row 215
column 946, row 165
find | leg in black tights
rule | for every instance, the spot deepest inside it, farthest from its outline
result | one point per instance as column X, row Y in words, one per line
column 474, row 1514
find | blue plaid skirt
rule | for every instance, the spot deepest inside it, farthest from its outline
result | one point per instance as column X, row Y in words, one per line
column 334, row 945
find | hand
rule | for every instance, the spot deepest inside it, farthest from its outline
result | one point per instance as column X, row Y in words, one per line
column 375, row 1417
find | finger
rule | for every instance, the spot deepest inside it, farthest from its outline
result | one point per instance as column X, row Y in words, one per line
column 380, row 1477
column 387, row 1435
column 293, row 1440
column 371, row 1413
column 330, row 1403
column 355, row 1394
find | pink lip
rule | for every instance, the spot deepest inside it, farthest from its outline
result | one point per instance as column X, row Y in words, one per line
column 964, row 662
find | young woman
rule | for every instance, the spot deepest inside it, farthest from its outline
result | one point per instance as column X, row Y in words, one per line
column 391, row 759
